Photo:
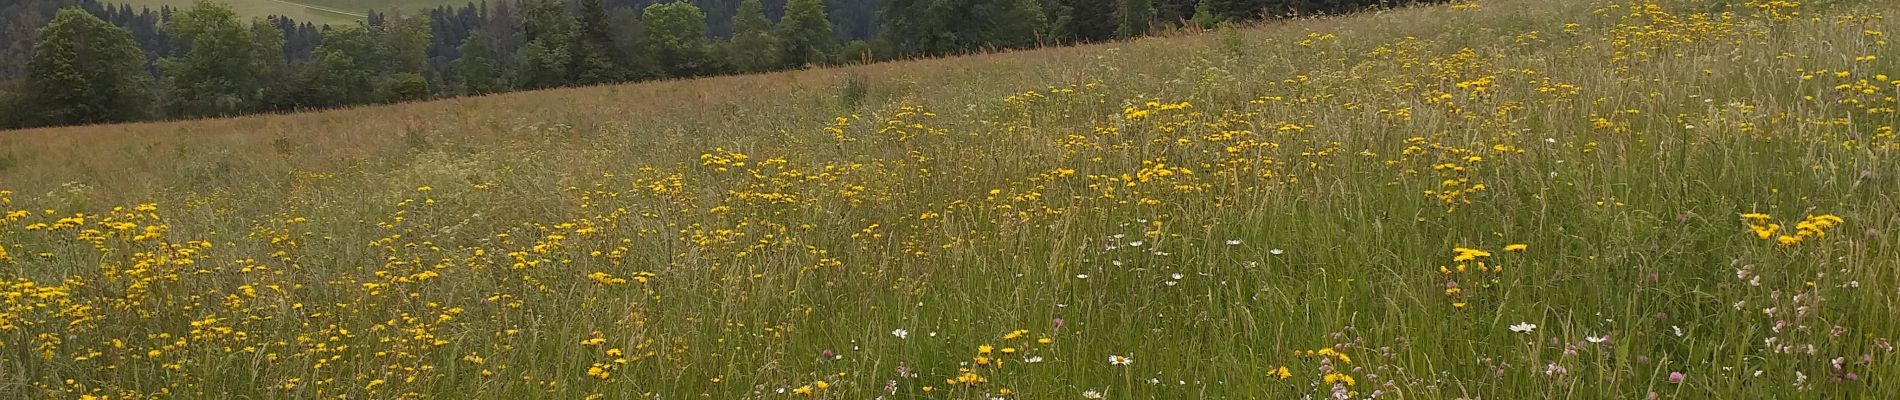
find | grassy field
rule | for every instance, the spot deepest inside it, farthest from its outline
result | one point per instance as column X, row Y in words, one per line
column 334, row 12
column 1498, row 199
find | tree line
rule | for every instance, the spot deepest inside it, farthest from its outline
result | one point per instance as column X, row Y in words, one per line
column 67, row 62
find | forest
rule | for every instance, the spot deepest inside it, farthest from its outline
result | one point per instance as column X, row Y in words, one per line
column 75, row 62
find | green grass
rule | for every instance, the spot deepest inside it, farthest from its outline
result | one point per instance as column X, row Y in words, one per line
column 1215, row 206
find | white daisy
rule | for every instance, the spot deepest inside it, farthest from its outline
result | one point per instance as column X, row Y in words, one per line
column 1523, row 327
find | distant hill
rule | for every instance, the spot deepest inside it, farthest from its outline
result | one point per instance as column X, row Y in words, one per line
column 316, row 11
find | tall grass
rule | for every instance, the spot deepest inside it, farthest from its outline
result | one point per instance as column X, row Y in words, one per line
column 1495, row 199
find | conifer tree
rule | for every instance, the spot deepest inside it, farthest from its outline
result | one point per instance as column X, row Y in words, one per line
column 596, row 58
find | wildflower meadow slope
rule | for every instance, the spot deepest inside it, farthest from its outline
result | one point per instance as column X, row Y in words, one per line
column 1507, row 199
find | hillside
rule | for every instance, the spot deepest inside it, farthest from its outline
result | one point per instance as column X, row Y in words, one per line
column 1507, row 199
column 333, row 12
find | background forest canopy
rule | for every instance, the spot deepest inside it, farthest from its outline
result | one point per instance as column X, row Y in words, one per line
column 69, row 62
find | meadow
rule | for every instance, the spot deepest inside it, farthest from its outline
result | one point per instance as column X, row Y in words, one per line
column 1504, row 199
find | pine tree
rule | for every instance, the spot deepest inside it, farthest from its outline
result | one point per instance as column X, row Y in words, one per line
column 753, row 49
column 476, row 68
column 676, row 32
column 268, row 42
column 596, row 58
column 1136, row 17
column 805, row 33
column 85, row 70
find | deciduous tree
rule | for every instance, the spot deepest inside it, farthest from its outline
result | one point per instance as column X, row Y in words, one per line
column 85, row 70
column 805, row 34
column 223, row 73
column 676, row 33
column 475, row 71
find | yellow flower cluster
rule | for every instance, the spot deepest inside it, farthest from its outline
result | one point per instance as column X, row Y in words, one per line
column 1472, row 271
column 1763, row 227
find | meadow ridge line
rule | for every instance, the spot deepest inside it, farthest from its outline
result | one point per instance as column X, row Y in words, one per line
column 322, row 8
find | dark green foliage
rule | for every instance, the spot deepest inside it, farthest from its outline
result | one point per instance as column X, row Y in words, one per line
column 676, row 33
column 406, row 86
column 597, row 59
column 352, row 61
column 546, row 57
column 475, row 71
column 805, row 34
column 449, row 27
column 226, row 69
column 631, row 37
column 1135, row 16
column 503, row 30
column 334, row 79
column 85, row 71
column 939, row 27
column 854, row 19
column 753, row 47
column 1084, row 20
column 857, row 52
column 10, row 100
column 1214, row 12
column 406, row 44
column 278, row 90
column 544, row 65
column 1174, row 12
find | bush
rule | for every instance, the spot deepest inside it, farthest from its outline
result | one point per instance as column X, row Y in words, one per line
column 857, row 52
column 403, row 87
